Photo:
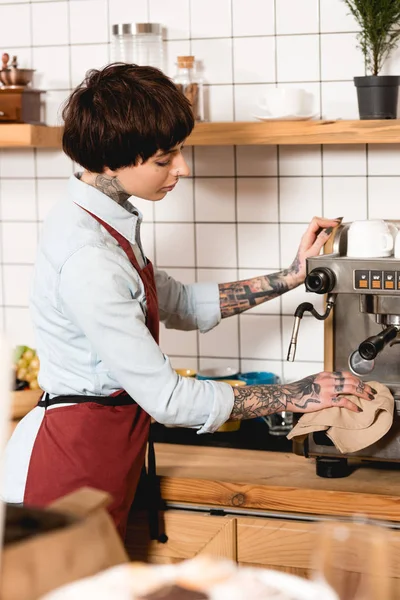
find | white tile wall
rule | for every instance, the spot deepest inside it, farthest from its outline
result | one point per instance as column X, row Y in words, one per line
column 244, row 209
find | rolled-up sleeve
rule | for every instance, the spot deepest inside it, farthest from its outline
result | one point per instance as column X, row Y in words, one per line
column 187, row 306
column 99, row 292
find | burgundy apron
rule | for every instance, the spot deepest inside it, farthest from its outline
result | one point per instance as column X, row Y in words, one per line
column 99, row 441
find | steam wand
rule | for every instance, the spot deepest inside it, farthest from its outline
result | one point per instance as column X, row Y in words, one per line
column 298, row 315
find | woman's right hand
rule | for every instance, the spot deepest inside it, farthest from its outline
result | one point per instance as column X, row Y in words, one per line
column 324, row 390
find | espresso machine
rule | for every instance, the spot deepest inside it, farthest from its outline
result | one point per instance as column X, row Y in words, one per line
column 362, row 335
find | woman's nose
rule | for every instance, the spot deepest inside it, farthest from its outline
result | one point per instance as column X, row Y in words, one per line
column 180, row 168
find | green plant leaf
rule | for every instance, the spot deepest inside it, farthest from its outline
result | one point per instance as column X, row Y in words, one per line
column 379, row 21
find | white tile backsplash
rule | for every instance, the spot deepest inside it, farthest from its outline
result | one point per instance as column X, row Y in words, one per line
column 301, row 16
column 17, row 284
column 18, row 327
column 256, row 160
column 339, row 100
column 85, row 57
column 214, row 71
column 50, row 23
column 336, row 17
column 49, row 191
column 384, row 159
column 261, row 68
column 174, row 244
column 245, row 208
column 222, row 341
column 341, row 59
column 19, row 242
column 16, row 25
column 52, row 66
column 88, row 22
column 174, row 15
column 177, row 205
column 299, row 160
column 345, row 197
column 257, row 199
column 383, row 197
column 214, row 161
column 18, row 199
column 298, row 58
column 210, row 19
column 300, row 199
column 134, row 11
column 18, row 162
column 258, row 246
column 52, row 163
column 247, row 97
column 216, row 245
column 344, row 159
column 253, row 17
column 260, row 336
column 310, row 345
column 218, row 102
column 215, row 199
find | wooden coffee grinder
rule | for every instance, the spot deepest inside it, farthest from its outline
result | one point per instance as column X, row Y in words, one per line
column 19, row 103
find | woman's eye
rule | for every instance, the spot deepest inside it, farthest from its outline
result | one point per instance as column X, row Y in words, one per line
column 163, row 164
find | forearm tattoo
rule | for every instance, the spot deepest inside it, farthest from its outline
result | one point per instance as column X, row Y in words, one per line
column 260, row 400
column 238, row 296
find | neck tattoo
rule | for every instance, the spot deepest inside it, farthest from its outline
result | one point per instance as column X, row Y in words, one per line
column 111, row 187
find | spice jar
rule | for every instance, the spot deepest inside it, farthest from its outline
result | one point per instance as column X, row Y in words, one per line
column 190, row 85
column 138, row 43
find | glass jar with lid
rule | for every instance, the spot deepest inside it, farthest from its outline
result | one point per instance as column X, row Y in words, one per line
column 187, row 80
column 138, row 43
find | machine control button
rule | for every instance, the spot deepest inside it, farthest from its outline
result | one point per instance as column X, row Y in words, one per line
column 376, row 280
column 389, row 280
column 361, row 280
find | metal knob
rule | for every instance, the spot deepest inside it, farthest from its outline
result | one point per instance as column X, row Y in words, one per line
column 370, row 348
column 320, row 281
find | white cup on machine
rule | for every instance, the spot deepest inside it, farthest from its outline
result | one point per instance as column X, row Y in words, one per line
column 281, row 101
column 370, row 239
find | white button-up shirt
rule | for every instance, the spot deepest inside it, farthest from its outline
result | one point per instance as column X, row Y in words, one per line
column 89, row 308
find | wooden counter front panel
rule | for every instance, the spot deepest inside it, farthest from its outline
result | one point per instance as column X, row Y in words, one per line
column 293, row 547
column 189, row 534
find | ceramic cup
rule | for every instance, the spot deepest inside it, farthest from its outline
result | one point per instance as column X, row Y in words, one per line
column 280, row 102
column 369, row 239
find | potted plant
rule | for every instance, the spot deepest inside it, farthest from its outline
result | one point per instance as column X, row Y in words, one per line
column 379, row 21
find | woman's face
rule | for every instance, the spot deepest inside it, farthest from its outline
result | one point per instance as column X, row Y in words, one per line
column 153, row 179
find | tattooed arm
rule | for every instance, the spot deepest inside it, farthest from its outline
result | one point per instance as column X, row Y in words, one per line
column 308, row 395
column 238, row 296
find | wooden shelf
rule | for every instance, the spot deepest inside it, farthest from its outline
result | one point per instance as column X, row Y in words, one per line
column 29, row 136
column 295, row 132
column 236, row 133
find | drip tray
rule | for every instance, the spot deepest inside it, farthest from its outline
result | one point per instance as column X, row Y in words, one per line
column 252, row 435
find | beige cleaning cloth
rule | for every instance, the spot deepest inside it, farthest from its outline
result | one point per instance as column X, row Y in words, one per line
column 351, row 431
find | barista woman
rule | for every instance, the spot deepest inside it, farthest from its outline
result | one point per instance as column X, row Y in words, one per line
column 97, row 302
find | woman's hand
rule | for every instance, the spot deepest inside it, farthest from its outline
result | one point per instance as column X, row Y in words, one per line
column 324, row 390
column 317, row 234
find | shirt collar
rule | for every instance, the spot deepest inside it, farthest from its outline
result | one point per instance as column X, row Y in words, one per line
column 123, row 219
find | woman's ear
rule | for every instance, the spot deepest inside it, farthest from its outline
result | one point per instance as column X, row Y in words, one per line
column 109, row 172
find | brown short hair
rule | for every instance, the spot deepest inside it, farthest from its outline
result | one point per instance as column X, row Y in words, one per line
column 121, row 113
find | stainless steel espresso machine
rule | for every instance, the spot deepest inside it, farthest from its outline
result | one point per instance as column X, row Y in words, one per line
column 362, row 334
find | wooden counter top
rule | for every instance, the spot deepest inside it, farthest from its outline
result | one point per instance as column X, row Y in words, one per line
column 273, row 481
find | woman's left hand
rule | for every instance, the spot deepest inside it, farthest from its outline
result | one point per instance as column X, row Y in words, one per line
column 317, row 234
